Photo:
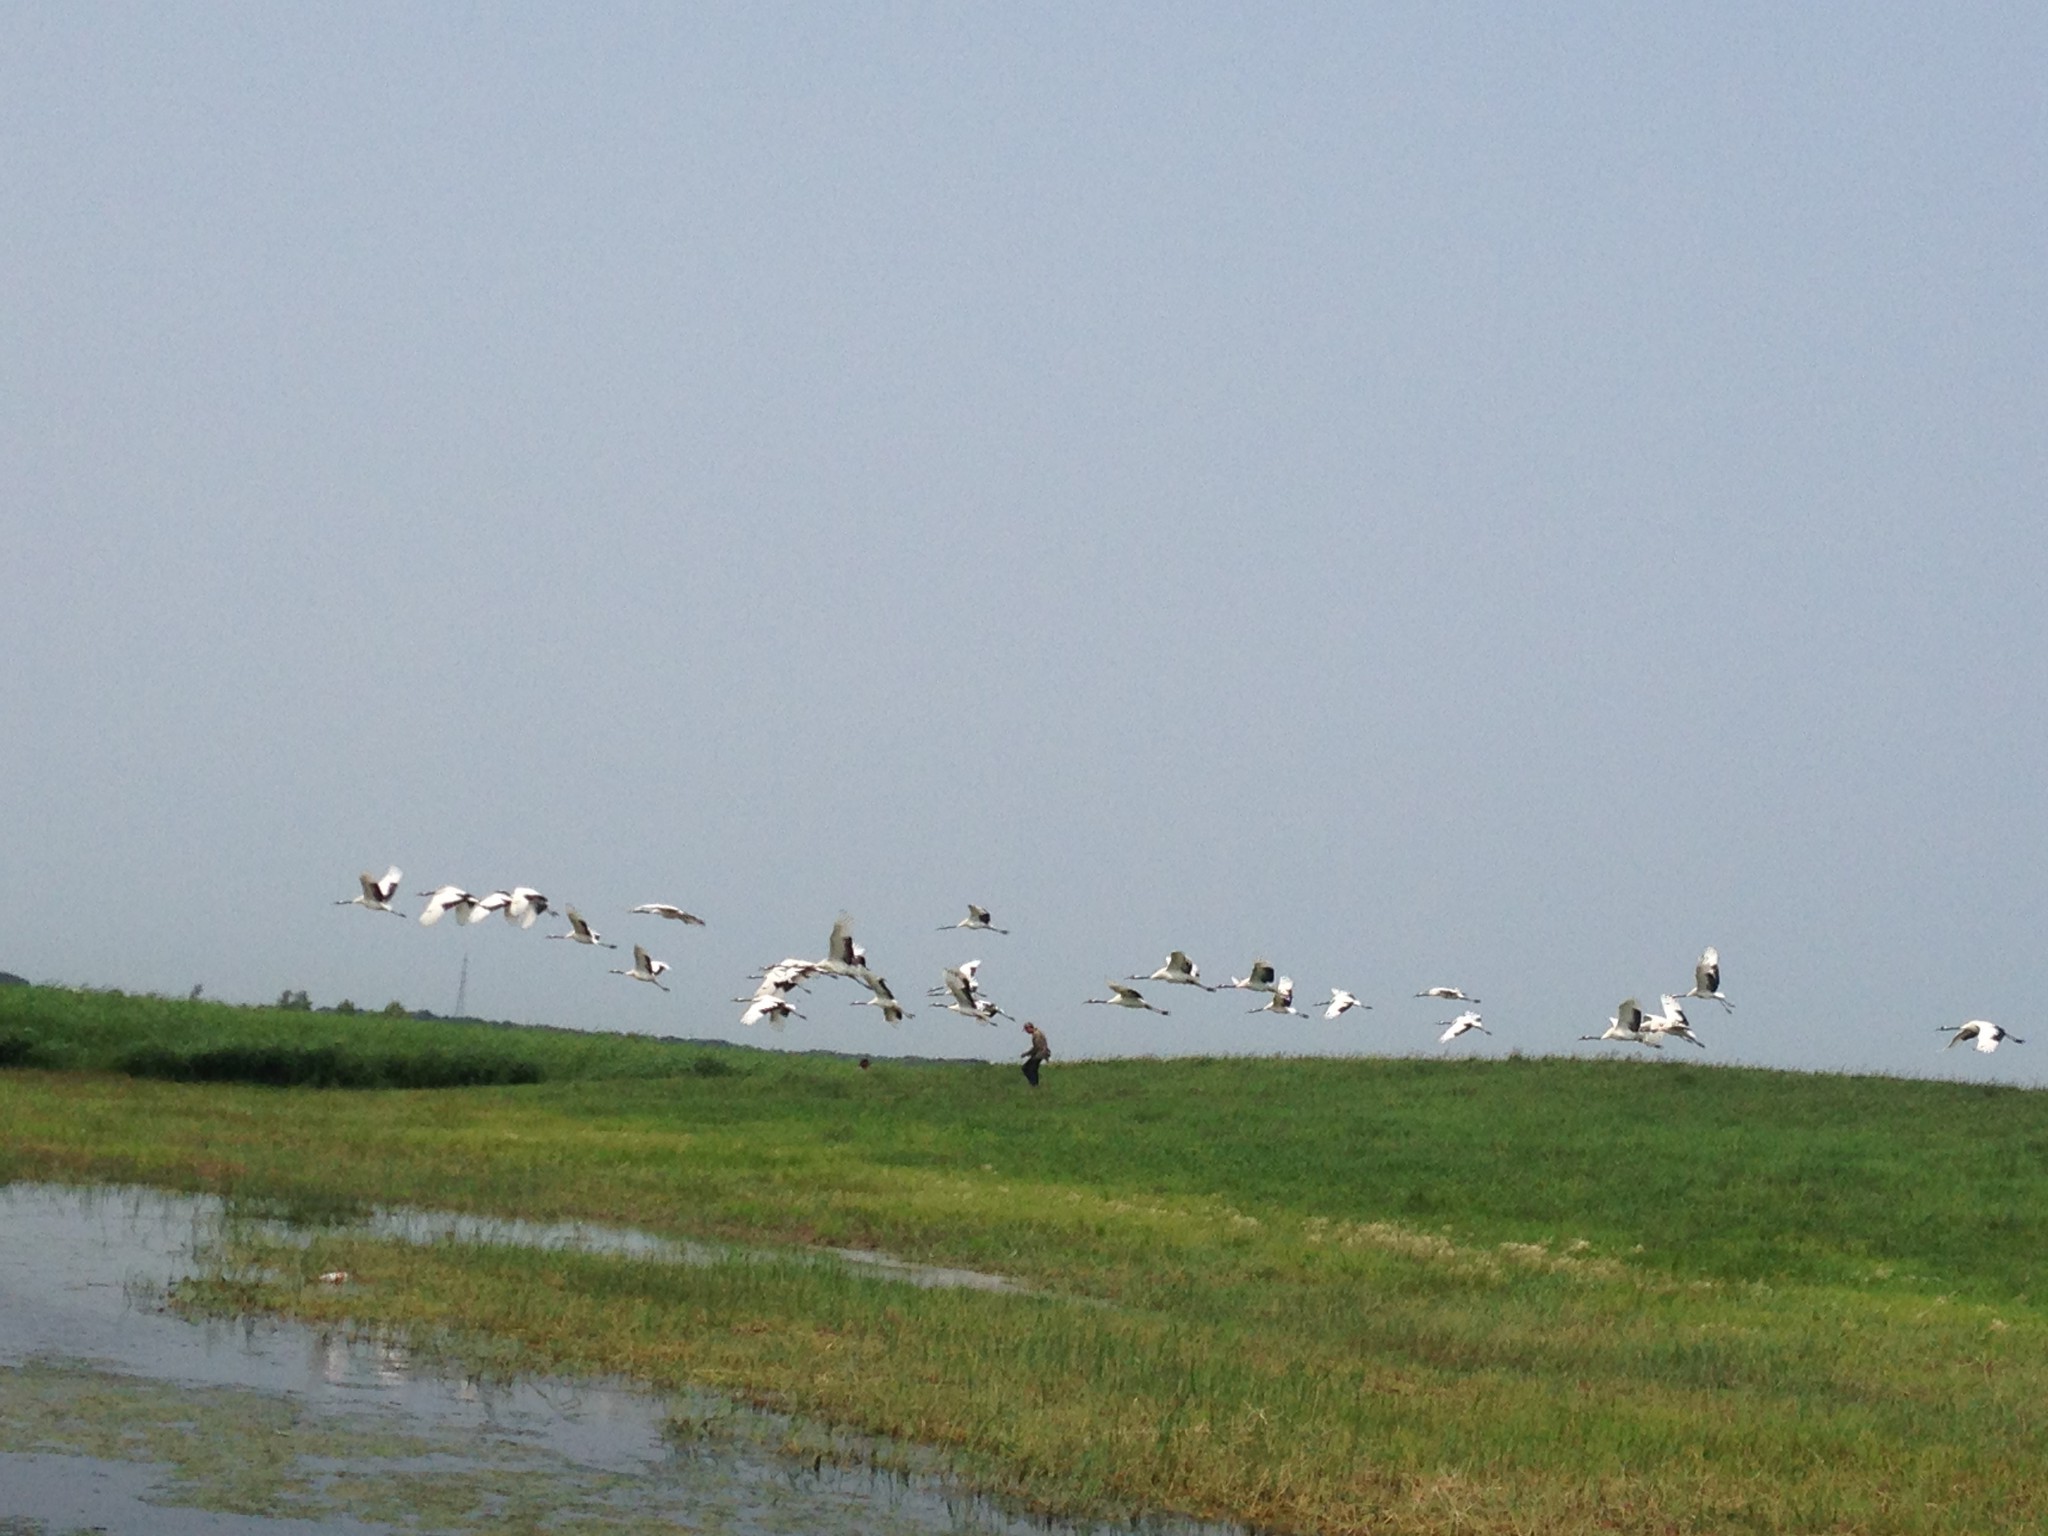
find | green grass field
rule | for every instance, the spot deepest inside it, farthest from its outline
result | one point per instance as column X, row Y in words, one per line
column 1521, row 1295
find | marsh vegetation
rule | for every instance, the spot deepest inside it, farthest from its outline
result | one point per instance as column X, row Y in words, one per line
column 1311, row 1294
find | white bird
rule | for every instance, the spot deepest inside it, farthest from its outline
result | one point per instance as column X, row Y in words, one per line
column 976, row 919
column 1260, row 979
column 674, row 914
column 843, row 957
column 1706, row 978
column 526, row 905
column 1672, row 1021
column 1179, row 970
column 1983, row 1031
column 1627, row 1024
column 1448, row 995
column 645, row 968
column 449, row 898
column 883, row 999
column 966, row 968
column 580, row 932
column 771, row 998
column 1121, row 996
column 1342, row 1002
column 770, row 1005
column 1282, row 1000
column 1463, row 1024
column 785, row 976
column 968, row 1001
column 497, row 901
column 377, row 893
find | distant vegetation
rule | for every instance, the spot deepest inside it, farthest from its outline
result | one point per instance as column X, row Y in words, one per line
column 1319, row 1295
column 289, row 1044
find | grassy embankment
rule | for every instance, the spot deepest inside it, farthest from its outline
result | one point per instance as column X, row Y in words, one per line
column 1329, row 1295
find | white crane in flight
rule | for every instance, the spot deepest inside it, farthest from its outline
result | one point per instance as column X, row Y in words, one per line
column 673, row 913
column 580, row 932
column 771, row 998
column 1260, row 979
column 1706, row 978
column 1448, row 995
column 1179, row 970
column 645, row 968
column 968, row 1001
column 1672, row 1021
column 1282, row 1000
column 1627, row 1025
column 966, row 969
column 767, row 1004
column 449, row 898
column 377, row 893
column 1985, row 1033
column 883, row 998
column 843, row 957
column 785, row 976
column 526, row 906
column 976, row 920
column 1342, row 1002
column 1463, row 1024
column 1121, row 996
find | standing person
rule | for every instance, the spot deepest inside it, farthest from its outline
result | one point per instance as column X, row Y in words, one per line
column 1039, row 1051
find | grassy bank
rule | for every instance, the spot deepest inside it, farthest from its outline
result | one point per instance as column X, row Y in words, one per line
column 1336, row 1295
column 195, row 1040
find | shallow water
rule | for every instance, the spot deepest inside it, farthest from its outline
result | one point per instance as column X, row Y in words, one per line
column 438, row 1226
column 118, row 1415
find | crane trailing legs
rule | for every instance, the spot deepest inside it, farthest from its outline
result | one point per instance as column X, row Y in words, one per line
column 976, row 921
column 1982, row 1032
column 377, row 893
column 645, row 968
column 1121, row 996
column 1627, row 1025
column 1706, row 978
column 1178, row 971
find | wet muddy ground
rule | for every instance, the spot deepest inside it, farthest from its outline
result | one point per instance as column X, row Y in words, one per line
column 118, row 1415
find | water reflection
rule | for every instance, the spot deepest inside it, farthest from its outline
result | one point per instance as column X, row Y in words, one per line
column 117, row 1414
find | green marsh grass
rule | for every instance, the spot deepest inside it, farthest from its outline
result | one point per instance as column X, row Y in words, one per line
column 205, row 1041
column 1532, row 1295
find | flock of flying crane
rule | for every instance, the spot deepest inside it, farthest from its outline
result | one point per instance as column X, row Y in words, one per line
column 961, row 991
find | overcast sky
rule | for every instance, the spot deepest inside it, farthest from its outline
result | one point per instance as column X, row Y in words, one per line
column 1424, row 494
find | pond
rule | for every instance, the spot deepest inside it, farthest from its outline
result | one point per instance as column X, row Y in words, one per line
column 118, row 1415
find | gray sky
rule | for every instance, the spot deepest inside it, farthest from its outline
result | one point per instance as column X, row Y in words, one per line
column 1424, row 495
